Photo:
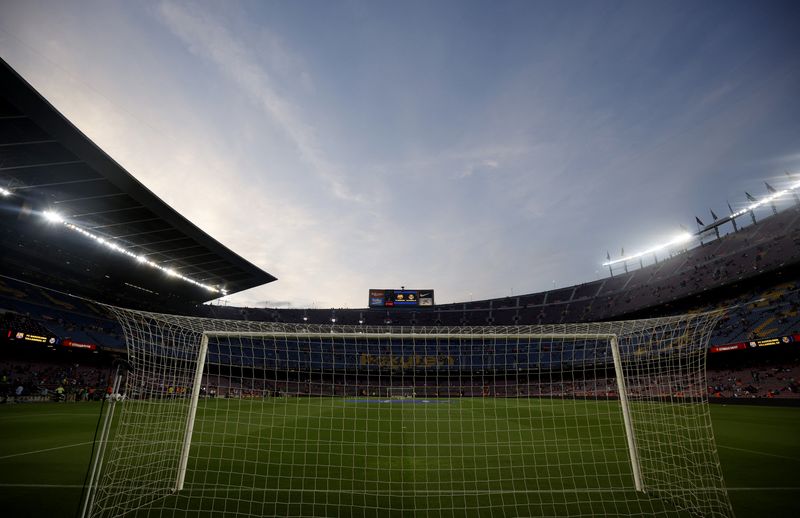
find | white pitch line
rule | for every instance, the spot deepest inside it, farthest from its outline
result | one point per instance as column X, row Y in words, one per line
column 759, row 453
column 421, row 491
column 44, row 450
column 43, row 486
column 58, row 414
column 201, row 487
column 764, row 489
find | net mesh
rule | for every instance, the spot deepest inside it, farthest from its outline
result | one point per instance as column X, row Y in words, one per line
column 311, row 420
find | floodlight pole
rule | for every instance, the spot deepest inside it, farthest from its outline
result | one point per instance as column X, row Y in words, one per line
column 187, row 437
column 626, row 415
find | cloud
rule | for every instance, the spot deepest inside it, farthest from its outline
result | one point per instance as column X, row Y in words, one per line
column 205, row 37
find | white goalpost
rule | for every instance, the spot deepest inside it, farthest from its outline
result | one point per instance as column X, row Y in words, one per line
column 237, row 418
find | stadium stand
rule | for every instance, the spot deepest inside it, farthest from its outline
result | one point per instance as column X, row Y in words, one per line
column 737, row 265
column 41, row 380
column 750, row 271
column 754, row 314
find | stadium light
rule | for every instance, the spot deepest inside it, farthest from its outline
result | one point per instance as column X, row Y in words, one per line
column 772, row 197
column 55, row 217
column 677, row 240
column 685, row 237
column 4, row 192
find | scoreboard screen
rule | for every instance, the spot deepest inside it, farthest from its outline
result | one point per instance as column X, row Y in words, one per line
column 401, row 298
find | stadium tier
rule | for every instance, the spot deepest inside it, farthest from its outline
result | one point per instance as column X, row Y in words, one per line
column 772, row 246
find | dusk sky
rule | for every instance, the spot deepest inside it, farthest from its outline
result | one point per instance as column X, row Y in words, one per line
column 481, row 149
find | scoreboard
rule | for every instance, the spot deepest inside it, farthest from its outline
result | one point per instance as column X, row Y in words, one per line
column 401, row 298
column 24, row 336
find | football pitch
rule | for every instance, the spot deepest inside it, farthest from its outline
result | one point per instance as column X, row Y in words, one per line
column 336, row 457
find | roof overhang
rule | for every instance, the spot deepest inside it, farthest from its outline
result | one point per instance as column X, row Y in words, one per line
column 49, row 164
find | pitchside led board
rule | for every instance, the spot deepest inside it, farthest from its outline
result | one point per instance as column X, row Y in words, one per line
column 410, row 299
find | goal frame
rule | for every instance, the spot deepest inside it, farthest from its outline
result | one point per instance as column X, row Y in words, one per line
column 612, row 339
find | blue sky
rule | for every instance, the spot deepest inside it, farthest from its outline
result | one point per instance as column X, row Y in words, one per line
column 477, row 148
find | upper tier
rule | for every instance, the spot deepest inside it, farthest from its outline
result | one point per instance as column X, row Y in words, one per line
column 771, row 244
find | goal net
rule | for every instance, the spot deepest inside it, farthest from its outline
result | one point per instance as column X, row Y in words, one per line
column 246, row 419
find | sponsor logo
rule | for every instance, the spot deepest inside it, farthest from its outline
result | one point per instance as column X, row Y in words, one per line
column 78, row 345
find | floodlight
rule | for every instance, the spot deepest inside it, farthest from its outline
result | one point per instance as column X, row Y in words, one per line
column 685, row 237
column 4, row 192
column 53, row 217
column 768, row 199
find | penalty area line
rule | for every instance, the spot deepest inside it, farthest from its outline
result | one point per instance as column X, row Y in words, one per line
column 44, row 450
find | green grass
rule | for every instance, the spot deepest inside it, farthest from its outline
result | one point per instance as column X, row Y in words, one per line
column 330, row 457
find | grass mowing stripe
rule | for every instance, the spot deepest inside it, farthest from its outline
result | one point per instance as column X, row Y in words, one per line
column 45, row 450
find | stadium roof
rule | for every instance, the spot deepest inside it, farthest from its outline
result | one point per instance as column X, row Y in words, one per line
column 47, row 164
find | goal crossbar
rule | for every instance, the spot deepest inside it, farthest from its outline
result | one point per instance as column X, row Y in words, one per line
column 447, row 336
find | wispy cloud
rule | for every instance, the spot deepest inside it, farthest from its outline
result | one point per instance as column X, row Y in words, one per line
column 205, row 37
